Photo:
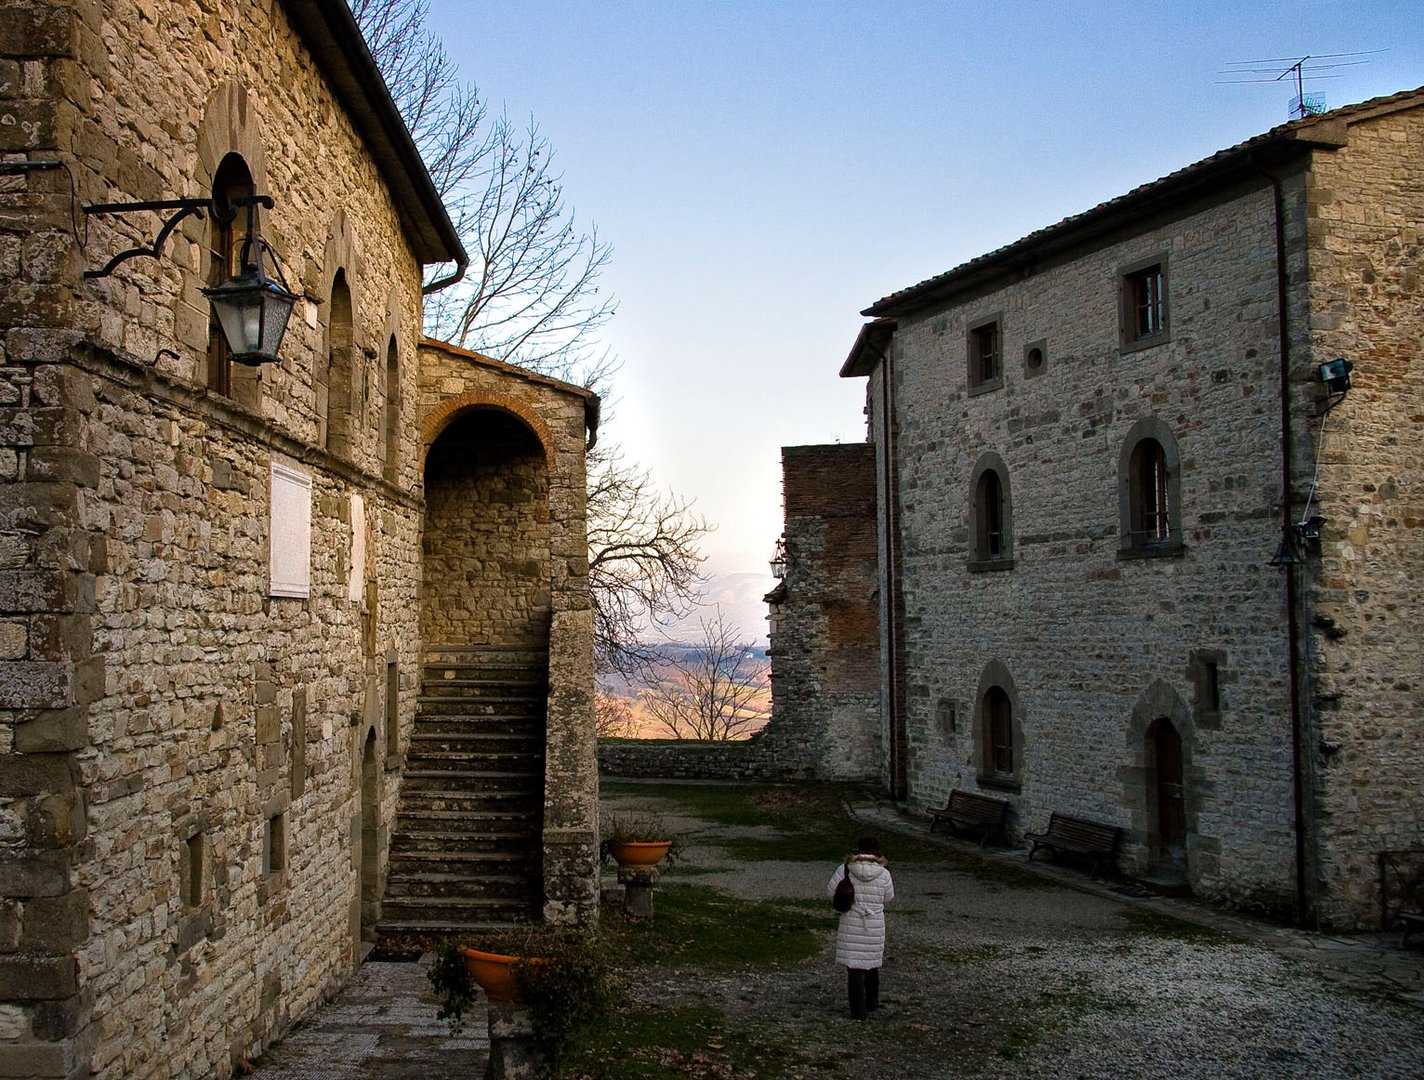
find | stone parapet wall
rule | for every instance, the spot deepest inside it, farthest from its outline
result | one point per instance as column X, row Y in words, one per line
column 824, row 650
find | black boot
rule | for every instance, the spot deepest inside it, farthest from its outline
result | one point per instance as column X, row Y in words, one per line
column 872, row 988
column 855, row 983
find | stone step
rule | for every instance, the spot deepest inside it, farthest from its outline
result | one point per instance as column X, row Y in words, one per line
column 467, row 741
column 426, row 883
column 392, row 929
column 431, row 909
column 508, row 846
column 499, row 873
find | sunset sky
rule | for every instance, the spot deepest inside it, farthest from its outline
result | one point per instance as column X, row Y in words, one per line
column 765, row 170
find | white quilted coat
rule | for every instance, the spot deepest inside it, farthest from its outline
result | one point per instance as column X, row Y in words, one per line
column 860, row 941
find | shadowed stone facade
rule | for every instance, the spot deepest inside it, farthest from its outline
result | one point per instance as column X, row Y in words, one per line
column 211, row 576
column 1094, row 449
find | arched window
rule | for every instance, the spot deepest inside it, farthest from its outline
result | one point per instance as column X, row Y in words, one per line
column 998, row 729
column 1149, row 492
column 392, row 411
column 340, row 368
column 999, row 722
column 232, row 181
column 991, row 533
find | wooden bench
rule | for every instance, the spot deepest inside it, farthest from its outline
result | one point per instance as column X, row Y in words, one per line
column 968, row 810
column 1071, row 835
column 1410, row 921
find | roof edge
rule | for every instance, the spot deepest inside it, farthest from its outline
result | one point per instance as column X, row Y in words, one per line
column 1288, row 141
column 481, row 360
column 869, row 348
column 328, row 30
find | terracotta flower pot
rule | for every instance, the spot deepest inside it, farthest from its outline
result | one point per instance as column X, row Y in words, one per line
column 632, row 853
column 493, row 973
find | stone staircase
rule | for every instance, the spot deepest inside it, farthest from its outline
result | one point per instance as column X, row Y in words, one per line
column 466, row 852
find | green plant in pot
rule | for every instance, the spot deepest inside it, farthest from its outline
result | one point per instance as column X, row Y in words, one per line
column 638, row 840
column 561, row 975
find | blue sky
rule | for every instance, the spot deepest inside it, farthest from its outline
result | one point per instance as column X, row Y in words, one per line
column 765, row 170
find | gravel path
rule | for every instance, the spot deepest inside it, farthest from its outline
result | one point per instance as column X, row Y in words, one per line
column 990, row 974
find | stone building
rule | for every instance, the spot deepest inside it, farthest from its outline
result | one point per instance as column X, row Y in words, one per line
column 825, row 685
column 1144, row 557
column 240, row 605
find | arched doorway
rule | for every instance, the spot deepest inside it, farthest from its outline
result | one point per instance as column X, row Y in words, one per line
column 1166, row 799
column 468, row 848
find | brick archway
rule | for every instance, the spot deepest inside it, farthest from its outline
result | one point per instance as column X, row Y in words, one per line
column 447, row 412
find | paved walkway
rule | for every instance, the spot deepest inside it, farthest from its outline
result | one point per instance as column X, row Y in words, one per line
column 383, row 1024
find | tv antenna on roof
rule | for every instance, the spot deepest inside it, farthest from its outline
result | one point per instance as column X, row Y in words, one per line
column 1303, row 104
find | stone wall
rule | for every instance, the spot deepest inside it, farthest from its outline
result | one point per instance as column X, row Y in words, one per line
column 1091, row 646
column 181, row 792
column 507, row 564
column 1096, row 643
column 1365, row 655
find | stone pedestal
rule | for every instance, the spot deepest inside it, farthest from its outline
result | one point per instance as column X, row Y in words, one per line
column 513, row 1052
column 638, row 882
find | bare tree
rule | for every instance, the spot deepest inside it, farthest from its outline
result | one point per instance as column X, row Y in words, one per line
column 643, row 560
column 531, row 296
column 612, row 716
column 716, row 690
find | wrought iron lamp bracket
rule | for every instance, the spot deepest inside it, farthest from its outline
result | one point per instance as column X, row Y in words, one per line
column 183, row 208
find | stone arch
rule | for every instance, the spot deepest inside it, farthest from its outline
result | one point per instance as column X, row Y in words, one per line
column 338, row 383
column 447, row 412
column 230, row 126
column 1160, row 702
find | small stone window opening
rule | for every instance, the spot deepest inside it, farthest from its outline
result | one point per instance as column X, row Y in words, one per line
column 999, row 722
column 1211, row 686
column 393, row 409
column 947, row 717
column 274, row 846
column 985, row 364
column 1035, row 359
column 392, row 710
column 194, row 870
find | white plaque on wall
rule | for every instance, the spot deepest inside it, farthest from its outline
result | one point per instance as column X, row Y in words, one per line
column 290, row 531
column 356, row 583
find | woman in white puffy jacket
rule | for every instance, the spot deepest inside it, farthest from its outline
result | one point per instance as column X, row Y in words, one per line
column 860, row 940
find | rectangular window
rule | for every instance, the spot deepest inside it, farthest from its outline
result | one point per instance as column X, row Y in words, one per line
column 985, row 349
column 194, row 871
column 1149, row 312
column 1144, row 305
column 274, row 846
